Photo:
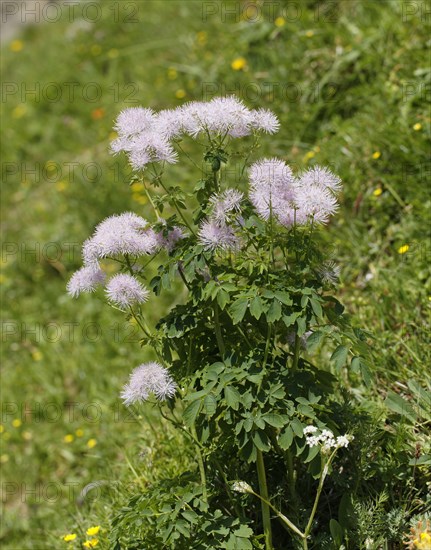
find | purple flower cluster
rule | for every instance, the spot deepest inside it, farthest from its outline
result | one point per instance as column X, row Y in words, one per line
column 125, row 290
column 148, row 378
column 146, row 135
column 275, row 191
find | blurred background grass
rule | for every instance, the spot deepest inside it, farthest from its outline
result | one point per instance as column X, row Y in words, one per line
column 350, row 82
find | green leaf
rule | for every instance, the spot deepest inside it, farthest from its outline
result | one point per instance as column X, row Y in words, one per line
column 297, row 427
column 286, row 438
column 302, row 326
column 314, row 340
column 317, row 308
column 256, row 307
column 210, row 405
column 261, row 441
column 288, row 320
column 313, row 452
column 339, row 357
column 222, row 298
column 284, row 297
column 336, row 532
column 275, row 420
column 232, row 397
column 191, row 412
column 274, row 312
column 238, row 309
column 397, row 404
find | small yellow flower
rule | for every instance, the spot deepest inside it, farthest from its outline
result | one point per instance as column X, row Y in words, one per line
column 36, row 355
column 68, row 438
column 16, row 45
column 27, row 436
column 91, row 531
column 417, row 126
column 4, row 459
column 280, row 22
column 377, row 192
column 79, row 432
column 1, row 428
column 239, row 64
column 137, row 187
column 172, row 73
column 91, row 543
column 16, row 423
column 69, row 537
column 19, row 111
column 403, row 249
column 309, row 34
column 309, row 155
column 202, row 37
column 91, row 443
column 113, row 53
column 180, row 94
column 376, row 155
column 140, row 199
column 96, row 49
column 61, row 185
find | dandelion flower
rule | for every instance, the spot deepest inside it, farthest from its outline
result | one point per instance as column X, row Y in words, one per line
column 69, row 537
column 91, row 443
column 85, row 279
column 148, row 378
column 90, row 543
column 403, row 249
column 125, row 290
column 91, row 531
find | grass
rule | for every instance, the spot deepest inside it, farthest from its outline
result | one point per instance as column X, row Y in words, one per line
column 349, row 81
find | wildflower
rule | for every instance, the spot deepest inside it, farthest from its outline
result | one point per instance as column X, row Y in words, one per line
column 69, row 537
column 315, row 203
column 1, row 428
column 36, row 355
column 146, row 379
column 91, row 531
column 68, row 438
column 239, row 64
column 320, row 176
column 330, row 272
column 266, row 121
column 272, row 189
column 325, row 439
column 125, row 290
column 224, row 203
column 85, row 279
column 119, row 234
column 377, row 192
column 97, row 114
column 241, row 487
column 79, row 432
column 403, row 249
column 376, row 155
column 213, row 235
column 417, row 126
column 168, row 238
column 91, row 543
column 16, row 45
column 27, row 436
column 16, row 422
column 91, row 443
column 180, row 94
column 280, row 22
column 309, row 34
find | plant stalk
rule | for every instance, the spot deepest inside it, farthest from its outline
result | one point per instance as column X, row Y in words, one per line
column 263, row 490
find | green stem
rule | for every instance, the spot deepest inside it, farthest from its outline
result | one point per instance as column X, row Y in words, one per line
column 263, row 490
column 285, row 519
column 319, row 491
column 201, row 466
column 218, row 333
column 296, row 350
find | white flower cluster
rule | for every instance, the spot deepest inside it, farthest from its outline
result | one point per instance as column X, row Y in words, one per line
column 325, row 438
column 146, row 135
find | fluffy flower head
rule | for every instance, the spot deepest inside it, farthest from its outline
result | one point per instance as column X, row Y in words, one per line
column 217, row 236
column 85, row 279
column 125, row 290
column 148, row 378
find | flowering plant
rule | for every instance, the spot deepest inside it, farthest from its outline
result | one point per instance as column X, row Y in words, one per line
column 233, row 359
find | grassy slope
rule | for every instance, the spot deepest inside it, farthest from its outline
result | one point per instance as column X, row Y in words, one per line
column 345, row 85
